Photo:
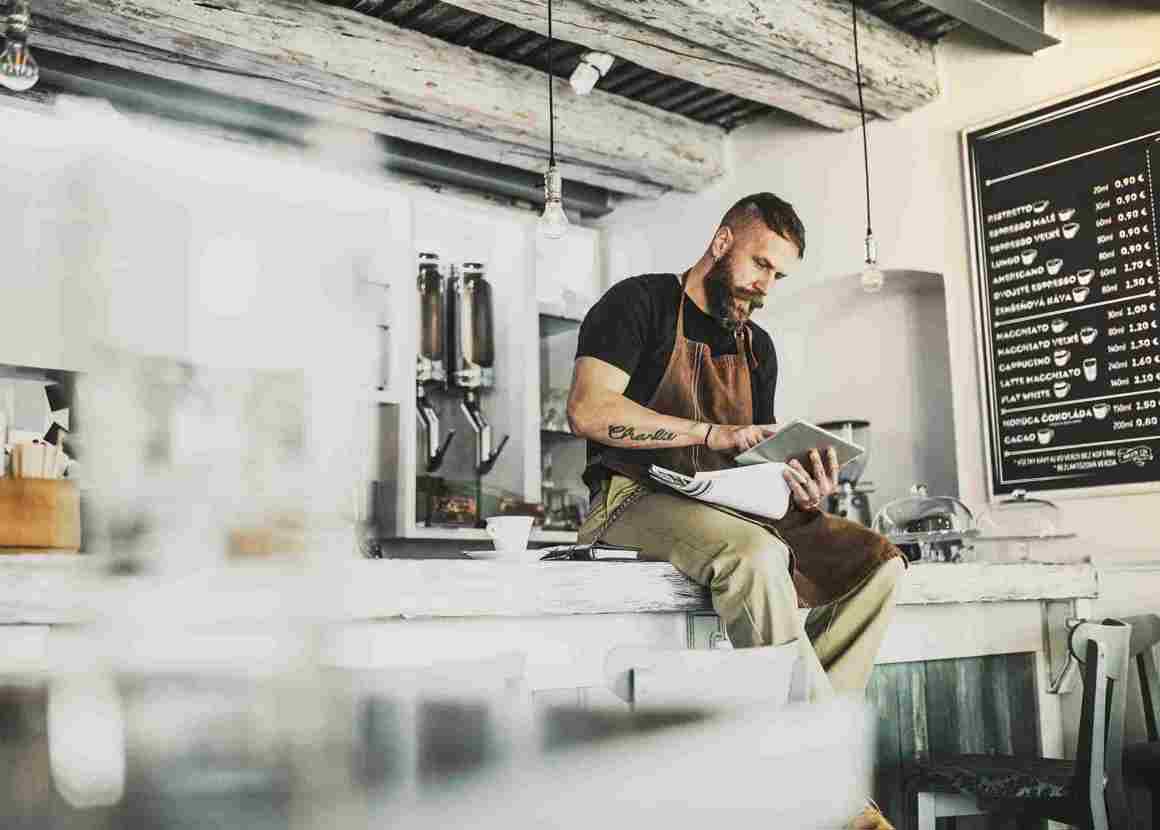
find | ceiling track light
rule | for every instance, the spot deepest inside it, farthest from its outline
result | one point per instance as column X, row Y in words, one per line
column 553, row 222
column 872, row 277
column 592, row 67
column 18, row 69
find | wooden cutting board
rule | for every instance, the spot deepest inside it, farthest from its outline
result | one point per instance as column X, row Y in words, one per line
column 39, row 513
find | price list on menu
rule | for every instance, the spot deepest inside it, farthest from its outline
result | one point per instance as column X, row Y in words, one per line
column 1064, row 204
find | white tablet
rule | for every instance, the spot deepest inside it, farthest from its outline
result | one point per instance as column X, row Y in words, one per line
column 795, row 440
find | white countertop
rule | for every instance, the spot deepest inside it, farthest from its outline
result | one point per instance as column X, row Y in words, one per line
column 68, row 589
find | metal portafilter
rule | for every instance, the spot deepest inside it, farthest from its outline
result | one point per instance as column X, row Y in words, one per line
column 431, row 370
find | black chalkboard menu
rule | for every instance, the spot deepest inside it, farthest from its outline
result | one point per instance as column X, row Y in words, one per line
column 1063, row 203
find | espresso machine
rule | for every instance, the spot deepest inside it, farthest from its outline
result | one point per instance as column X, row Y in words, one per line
column 471, row 353
column 851, row 501
column 431, row 371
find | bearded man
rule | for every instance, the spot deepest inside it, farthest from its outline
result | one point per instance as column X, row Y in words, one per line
column 671, row 370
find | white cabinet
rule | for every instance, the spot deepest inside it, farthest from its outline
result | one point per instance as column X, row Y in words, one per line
column 527, row 274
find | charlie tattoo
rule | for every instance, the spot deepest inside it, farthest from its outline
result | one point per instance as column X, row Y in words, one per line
column 620, row 432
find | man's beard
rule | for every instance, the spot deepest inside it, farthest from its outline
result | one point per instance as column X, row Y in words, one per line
column 728, row 306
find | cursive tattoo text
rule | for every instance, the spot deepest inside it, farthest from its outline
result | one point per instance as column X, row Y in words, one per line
column 621, row 432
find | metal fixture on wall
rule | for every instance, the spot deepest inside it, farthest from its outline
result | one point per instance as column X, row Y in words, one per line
column 872, row 277
column 553, row 221
column 18, row 69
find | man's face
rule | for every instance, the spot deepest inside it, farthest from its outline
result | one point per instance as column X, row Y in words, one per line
column 740, row 279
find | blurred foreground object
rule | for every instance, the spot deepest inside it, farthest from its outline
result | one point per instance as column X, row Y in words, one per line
column 39, row 513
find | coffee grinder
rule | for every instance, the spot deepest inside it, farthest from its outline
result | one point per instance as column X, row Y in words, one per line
column 851, row 501
column 431, row 371
column 471, row 351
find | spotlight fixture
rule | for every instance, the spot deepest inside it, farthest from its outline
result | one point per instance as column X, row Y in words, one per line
column 872, row 277
column 553, row 221
column 592, row 67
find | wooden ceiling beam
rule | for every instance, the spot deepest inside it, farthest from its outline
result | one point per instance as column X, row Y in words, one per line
column 810, row 41
column 806, row 67
column 324, row 60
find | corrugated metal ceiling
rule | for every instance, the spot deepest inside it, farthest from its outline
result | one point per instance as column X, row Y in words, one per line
column 502, row 40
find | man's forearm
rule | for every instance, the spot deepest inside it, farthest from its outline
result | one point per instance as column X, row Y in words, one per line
column 615, row 420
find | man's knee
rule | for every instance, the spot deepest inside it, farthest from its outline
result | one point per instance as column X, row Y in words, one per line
column 750, row 557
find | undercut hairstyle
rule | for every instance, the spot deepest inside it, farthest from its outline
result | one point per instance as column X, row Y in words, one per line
column 777, row 214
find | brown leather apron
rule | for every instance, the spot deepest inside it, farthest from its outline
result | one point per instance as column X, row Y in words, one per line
column 830, row 556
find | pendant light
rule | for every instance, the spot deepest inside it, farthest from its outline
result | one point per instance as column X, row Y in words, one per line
column 553, row 221
column 18, row 69
column 872, row 277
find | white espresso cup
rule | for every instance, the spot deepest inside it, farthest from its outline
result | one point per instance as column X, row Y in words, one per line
column 510, row 534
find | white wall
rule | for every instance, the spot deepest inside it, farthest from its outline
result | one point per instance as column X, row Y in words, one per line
column 919, row 217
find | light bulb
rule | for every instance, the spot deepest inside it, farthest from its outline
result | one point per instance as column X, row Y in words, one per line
column 553, row 221
column 872, row 276
column 18, row 69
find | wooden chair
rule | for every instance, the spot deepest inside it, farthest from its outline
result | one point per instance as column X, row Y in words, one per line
column 1142, row 760
column 1073, row 792
column 714, row 678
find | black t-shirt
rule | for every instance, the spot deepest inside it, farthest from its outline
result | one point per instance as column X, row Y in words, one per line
column 633, row 327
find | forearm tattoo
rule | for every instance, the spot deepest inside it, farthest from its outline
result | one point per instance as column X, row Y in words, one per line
column 621, row 432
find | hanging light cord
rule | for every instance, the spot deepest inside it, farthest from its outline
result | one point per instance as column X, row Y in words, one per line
column 551, row 104
column 861, row 106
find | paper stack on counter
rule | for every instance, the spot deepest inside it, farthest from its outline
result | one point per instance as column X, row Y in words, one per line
column 759, row 489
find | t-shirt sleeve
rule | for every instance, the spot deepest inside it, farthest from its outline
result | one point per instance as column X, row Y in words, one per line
column 766, row 391
column 615, row 330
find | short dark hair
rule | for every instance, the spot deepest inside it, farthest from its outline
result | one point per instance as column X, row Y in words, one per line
column 778, row 215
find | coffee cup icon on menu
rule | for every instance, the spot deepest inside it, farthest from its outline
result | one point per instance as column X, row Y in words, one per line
column 1091, row 368
column 1065, row 214
column 1045, row 435
column 1061, row 388
column 1059, row 325
column 1040, row 206
column 1027, row 257
column 1087, row 335
column 1053, row 266
column 1061, row 357
column 1084, row 275
column 1070, row 230
column 1101, row 410
column 1080, row 293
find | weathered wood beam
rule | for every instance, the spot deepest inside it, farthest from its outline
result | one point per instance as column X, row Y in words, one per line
column 606, row 31
column 811, row 41
column 312, row 57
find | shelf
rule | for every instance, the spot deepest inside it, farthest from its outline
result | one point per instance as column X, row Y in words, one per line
column 476, row 534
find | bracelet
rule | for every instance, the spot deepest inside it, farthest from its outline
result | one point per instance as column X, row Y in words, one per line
column 706, row 441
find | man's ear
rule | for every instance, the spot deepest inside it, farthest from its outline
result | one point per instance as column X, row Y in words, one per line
column 722, row 241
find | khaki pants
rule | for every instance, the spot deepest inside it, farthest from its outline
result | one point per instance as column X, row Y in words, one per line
column 746, row 568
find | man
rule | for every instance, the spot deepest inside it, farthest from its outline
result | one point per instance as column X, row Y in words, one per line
column 670, row 370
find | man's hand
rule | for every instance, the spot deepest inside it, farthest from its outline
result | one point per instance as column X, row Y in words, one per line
column 809, row 490
column 736, row 440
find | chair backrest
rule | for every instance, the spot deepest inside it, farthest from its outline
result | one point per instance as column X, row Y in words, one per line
column 714, row 678
column 1099, row 755
column 1145, row 636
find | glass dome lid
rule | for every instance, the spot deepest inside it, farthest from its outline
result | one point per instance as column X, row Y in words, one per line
column 1020, row 517
column 920, row 517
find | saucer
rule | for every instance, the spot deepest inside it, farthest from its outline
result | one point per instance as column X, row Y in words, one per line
column 524, row 557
